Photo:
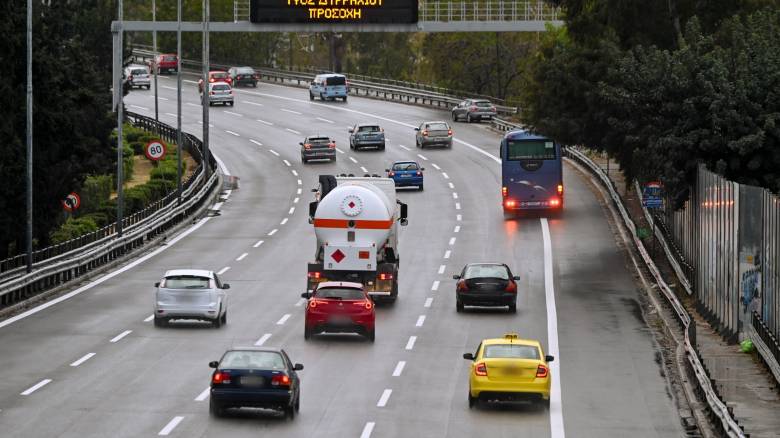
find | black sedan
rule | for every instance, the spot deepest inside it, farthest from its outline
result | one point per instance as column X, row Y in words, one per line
column 486, row 284
column 257, row 378
column 243, row 76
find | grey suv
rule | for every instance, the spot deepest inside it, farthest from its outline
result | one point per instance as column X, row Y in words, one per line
column 474, row 109
column 433, row 134
column 190, row 294
column 318, row 147
column 366, row 135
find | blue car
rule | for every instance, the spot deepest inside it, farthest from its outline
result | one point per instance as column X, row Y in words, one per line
column 255, row 377
column 406, row 174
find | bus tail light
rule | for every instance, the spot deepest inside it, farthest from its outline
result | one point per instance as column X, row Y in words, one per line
column 560, row 189
column 481, row 369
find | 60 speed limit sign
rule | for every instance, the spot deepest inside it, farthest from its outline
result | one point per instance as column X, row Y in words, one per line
column 155, row 150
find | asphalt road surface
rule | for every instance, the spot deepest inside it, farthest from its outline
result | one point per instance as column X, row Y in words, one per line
column 94, row 365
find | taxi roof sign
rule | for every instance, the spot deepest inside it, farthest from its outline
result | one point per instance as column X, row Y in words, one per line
column 511, row 336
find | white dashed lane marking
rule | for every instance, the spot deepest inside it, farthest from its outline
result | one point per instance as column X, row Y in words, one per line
column 149, row 318
column 294, row 172
column 36, row 387
column 273, row 232
column 273, row 152
column 259, row 242
column 363, row 169
column 233, row 133
column 290, row 111
column 420, row 321
column 242, row 256
column 410, row 343
column 170, row 426
column 324, row 120
column 447, row 254
column 452, row 241
column 256, row 142
column 286, row 163
column 444, row 174
column 223, row 270
column 457, row 206
column 292, row 210
column 457, row 229
column 428, row 302
column 283, row 319
column 233, row 114
column 452, row 186
column 284, row 221
column 262, row 339
column 384, row 398
column 435, row 166
column 293, row 131
column 404, row 147
column 442, row 268
column 266, row 123
column 83, row 359
column 399, row 368
column 203, row 395
column 119, row 337
column 367, row 429
column 353, row 160
column 458, row 218
column 252, row 103
column 435, row 285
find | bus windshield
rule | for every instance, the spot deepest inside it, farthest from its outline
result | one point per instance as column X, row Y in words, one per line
column 530, row 150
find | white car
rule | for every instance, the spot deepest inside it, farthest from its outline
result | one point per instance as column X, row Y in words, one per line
column 220, row 92
column 137, row 76
column 190, row 294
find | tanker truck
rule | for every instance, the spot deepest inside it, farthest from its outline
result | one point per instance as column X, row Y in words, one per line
column 356, row 222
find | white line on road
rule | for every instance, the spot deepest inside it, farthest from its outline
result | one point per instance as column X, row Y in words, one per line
column 435, row 285
column 171, row 114
column 283, row 319
column 170, row 426
column 399, row 368
column 353, row 159
column 287, row 163
column 363, row 169
column 452, row 241
column 223, row 270
column 435, row 166
column 203, row 395
column 294, row 172
column 384, row 398
column 36, row 387
column 556, row 403
column 339, row 151
column 252, row 103
column 170, row 88
column 262, row 339
column 442, row 268
column 404, row 147
column 410, row 343
column 293, row 131
column 242, row 256
column 324, row 120
column 457, row 206
column 266, row 123
column 233, row 114
column 301, row 302
column 458, row 217
column 420, row 321
column 295, row 201
column 149, row 318
column 447, row 254
column 139, row 107
column 256, row 142
column 273, row 232
column 428, row 302
column 83, row 359
column 367, row 429
column 119, row 337
column 161, row 98
column 290, row 111
column 454, row 195
column 273, row 152
column 300, row 182
column 452, row 186
column 292, row 210
column 233, row 133
column 259, row 242
column 422, row 156
column 284, row 221
column 457, row 229
column 444, row 174
column 192, row 104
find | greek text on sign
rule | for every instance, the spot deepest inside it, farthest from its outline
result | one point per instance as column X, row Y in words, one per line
column 333, row 11
column 155, row 150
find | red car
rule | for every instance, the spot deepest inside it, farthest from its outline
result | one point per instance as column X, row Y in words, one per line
column 216, row 76
column 166, row 62
column 339, row 307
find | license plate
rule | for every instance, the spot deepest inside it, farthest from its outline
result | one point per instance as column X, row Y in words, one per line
column 533, row 203
column 251, row 380
column 340, row 320
column 405, row 176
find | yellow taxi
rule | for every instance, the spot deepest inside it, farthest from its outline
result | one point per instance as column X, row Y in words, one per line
column 509, row 369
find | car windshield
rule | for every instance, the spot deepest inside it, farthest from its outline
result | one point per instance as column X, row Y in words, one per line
column 483, row 103
column 486, row 271
column 186, row 282
column 319, row 140
column 258, row 360
column 220, row 87
column 336, row 80
column 405, row 166
column 513, row 351
column 437, row 126
column 169, row 58
column 138, row 71
column 530, row 150
column 369, row 129
column 245, row 71
column 339, row 293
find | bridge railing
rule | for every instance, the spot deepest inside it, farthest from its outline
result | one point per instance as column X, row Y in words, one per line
column 487, row 10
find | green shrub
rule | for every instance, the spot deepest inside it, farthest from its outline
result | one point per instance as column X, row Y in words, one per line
column 73, row 228
column 165, row 170
column 138, row 147
column 136, row 199
column 95, row 191
column 160, row 187
column 100, row 218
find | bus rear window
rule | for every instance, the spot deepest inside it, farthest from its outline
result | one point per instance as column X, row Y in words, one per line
column 336, row 80
column 530, row 150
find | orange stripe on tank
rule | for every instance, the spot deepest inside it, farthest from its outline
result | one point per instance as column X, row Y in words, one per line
column 360, row 224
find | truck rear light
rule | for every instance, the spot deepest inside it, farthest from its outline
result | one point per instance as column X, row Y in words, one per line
column 220, row 377
column 511, row 287
column 481, row 369
column 555, row 202
column 307, row 146
column 503, row 192
column 560, row 189
column 315, row 274
column 385, row 276
column 542, row 371
column 280, row 381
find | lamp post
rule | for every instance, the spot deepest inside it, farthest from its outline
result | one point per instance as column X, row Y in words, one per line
column 29, row 233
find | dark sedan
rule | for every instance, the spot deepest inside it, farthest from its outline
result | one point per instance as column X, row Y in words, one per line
column 244, row 76
column 255, row 378
column 486, row 284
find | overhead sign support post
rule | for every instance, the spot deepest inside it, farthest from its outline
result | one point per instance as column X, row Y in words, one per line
column 29, row 141
column 154, row 62
column 205, row 96
column 178, row 103
column 120, row 116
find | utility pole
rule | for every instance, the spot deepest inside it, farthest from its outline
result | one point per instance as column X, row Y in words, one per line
column 178, row 100
column 154, row 61
column 29, row 142
column 120, row 115
column 205, row 94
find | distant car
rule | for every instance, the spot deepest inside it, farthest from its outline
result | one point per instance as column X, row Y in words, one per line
column 190, row 294
column 220, row 92
column 366, row 135
column 255, row 377
column 166, row 63
column 406, row 174
column 474, row 109
column 137, row 76
column 216, row 76
column 317, row 147
column 243, row 76
column 433, row 134
column 509, row 369
column 329, row 87
column 486, row 284
column 340, row 307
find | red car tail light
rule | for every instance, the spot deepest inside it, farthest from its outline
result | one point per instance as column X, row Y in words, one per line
column 511, row 287
column 503, row 192
column 461, row 286
column 220, row 377
column 493, row 109
column 385, row 276
column 332, row 145
column 368, row 304
column 212, row 79
column 560, row 189
column 425, row 133
column 130, row 78
column 554, row 202
column 391, row 174
column 307, row 146
column 281, row 381
column 211, row 93
column 473, row 108
column 481, row 369
column 510, row 203
column 449, row 132
column 419, row 173
column 542, row 371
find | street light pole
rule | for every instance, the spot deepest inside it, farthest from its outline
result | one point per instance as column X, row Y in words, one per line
column 205, row 95
column 120, row 115
column 178, row 101
column 154, row 61
column 29, row 235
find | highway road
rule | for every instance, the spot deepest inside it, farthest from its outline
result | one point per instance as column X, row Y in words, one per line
column 94, row 365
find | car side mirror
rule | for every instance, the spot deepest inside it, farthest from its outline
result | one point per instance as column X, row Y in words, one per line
column 213, row 364
column 300, row 143
column 306, row 295
column 157, row 284
column 387, row 170
column 468, row 356
column 549, row 358
column 422, row 168
column 334, row 142
column 312, row 208
column 416, row 129
column 298, row 366
column 516, row 277
column 351, row 130
column 456, row 277
column 226, row 286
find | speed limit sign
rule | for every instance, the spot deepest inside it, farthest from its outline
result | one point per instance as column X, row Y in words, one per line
column 155, row 150
column 71, row 202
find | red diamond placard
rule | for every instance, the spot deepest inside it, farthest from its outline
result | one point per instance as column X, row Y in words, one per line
column 338, row 256
column 351, row 204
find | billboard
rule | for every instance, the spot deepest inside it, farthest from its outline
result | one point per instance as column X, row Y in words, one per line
column 334, row 11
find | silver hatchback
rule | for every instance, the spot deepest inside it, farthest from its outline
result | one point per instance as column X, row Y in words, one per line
column 190, row 294
column 220, row 92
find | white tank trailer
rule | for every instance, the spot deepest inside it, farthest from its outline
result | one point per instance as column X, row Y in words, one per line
column 356, row 222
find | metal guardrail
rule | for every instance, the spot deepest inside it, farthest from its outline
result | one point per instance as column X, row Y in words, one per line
column 77, row 262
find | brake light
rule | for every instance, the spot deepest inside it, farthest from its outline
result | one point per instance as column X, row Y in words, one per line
column 391, row 174
column 473, row 108
column 212, row 80
column 212, row 93
column 307, row 146
column 449, row 132
column 314, row 303
column 560, row 189
column 315, row 274
column 554, row 202
column 332, row 145
column 462, row 285
column 481, row 369
column 425, row 133
column 419, row 173
column 385, row 276
column 256, row 77
column 511, row 287
column 503, row 192
column 369, row 305
column 130, row 78
column 542, row 371
column 220, row 377
column 510, row 203
column 280, row 380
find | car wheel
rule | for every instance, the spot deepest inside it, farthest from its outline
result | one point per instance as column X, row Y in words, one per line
column 306, row 333
column 345, row 98
column 546, row 404
column 298, row 403
column 224, row 318
column 254, row 84
column 215, row 409
column 217, row 322
column 371, row 335
column 289, row 411
column 468, row 118
column 381, row 148
column 454, row 117
column 421, row 187
column 472, row 400
column 159, row 322
column 231, row 104
column 513, row 308
column 458, row 306
column 322, row 97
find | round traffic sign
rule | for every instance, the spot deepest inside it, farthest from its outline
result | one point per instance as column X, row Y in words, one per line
column 155, row 150
column 71, row 202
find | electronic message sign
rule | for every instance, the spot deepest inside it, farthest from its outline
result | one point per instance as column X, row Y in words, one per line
column 333, row 11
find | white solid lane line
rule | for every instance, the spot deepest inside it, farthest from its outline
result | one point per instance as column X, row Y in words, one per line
column 83, row 359
column 170, row 426
column 290, row 111
column 233, row 133
column 283, row 319
column 252, row 103
column 384, row 398
column 399, row 368
column 410, row 343
column 264, row 122
column 223, row 270
column 404, row 147
column 259, row 242
column 457, row 229
column 452, row 241
column 442, row 268
column 556, row 403
column 256, row 142
column 119, row 337
column 420, row 321
column 284, row 221
column 139, row 107
column 363, row 169
column 428, row 302
column 292, row 210
column 293, row 131
column 435, row 285
column 287, row 163
column 233, row 114
column 203, row 395
column 435, row 166
column 273, row 232
column 444, row 174
column 353, row 159
column 447, row 254
column 422, row 156
column 242, row 256
column 367, row 429
column 149, row 318
column 324, row 120
column 273, row 152
column 36, row 387
column 262, row 339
